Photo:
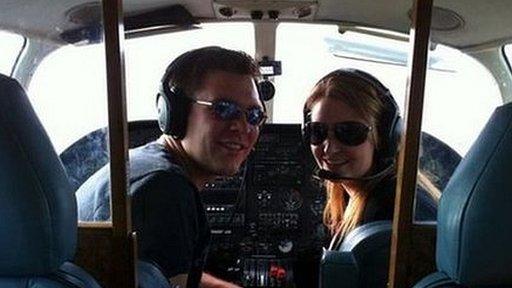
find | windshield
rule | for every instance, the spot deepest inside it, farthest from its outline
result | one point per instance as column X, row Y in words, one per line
column 454, row 111
column 10, row 47
column 72, row 79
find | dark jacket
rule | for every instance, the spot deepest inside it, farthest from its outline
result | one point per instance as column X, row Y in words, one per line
column 381, row 203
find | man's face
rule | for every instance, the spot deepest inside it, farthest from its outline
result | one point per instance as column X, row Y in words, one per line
column 220, row 146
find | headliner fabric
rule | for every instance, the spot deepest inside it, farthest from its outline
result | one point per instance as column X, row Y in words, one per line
column 37, row 208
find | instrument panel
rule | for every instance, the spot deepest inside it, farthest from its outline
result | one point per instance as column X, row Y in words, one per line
column 266, row 221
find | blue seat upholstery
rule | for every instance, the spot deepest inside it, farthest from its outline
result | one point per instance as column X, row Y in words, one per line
column 149, row 275
column 437, row 279
column 475, row 213
column 362, row 259
column 38, row 224
column 38, row 214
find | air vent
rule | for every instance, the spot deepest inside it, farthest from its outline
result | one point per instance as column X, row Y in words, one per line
column 85, row 14
column 444, row 19
column 265, row 9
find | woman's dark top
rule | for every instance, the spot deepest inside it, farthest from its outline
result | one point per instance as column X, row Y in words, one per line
column 381, row 203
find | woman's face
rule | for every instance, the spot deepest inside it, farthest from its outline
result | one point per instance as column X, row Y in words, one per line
column 331, row 154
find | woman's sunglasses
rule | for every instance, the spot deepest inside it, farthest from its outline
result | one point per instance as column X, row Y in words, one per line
column 349, row 133
column 228, row 110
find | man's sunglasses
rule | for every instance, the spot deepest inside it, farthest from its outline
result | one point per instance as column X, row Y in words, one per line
column 228, row 110
column 349, row 133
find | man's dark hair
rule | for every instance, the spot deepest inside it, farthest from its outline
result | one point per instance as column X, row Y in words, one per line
column 187, row 72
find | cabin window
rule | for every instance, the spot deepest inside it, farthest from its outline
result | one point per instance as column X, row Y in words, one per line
column 69, row 91
column 10, row 47
column 508, row 54
column 454, row 111
column 146, row 59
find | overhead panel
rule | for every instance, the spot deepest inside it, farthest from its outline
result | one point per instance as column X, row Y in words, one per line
column 265, row 10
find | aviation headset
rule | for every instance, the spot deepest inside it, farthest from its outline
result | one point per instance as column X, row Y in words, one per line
column 173, row 105
column 389, row 127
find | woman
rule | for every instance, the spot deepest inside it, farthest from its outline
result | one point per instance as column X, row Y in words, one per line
column 353, row 126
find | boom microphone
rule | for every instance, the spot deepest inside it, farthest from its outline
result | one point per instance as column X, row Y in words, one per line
column 334, row 177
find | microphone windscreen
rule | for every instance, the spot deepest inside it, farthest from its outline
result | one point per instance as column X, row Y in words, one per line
column 378, row 173
column 328, row 175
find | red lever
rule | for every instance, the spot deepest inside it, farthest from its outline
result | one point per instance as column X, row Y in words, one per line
column 274, row 271
column 281, row 273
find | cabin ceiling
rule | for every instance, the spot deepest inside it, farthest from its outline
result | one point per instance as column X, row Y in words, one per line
column 459, row 23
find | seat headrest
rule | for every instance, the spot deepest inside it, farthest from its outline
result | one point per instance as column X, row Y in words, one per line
column 475, row 211
column 373, row 233
column 361, row 260
column 38, row 223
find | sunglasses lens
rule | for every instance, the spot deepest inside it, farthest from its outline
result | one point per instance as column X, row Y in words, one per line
column 318, row 133
column 351, row 133
column 226, row 110
column 255, row 116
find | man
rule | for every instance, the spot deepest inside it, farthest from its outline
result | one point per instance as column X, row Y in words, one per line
column 210, row 113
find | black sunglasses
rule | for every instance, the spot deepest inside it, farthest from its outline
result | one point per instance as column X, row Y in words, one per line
column 349, row 133
column 229, row 110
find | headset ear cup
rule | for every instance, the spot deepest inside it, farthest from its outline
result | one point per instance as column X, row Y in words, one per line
column 163, row 109
column 306, row 134
column 172, row 107
column 395, row 136
column 180, row 108
column 391, row 131
column 306, row 131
